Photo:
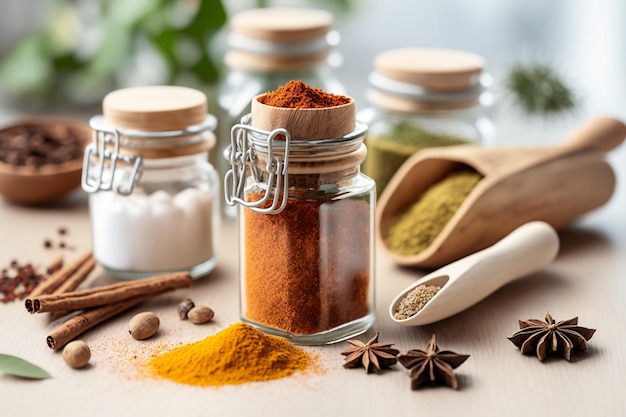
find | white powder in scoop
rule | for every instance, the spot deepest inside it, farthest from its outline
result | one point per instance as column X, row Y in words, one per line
column 157, row 232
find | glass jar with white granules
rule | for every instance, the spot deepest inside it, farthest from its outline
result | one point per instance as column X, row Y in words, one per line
column 153, row 193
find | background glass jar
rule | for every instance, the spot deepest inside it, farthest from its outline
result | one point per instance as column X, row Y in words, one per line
column 306, row 234
column 423, row 98
column 267, row 48
column 154, row 195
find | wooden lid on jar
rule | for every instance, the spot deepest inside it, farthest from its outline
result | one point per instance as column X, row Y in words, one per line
column 434, row 69
column 304, row 123
column 282, row 24
column 155, row 108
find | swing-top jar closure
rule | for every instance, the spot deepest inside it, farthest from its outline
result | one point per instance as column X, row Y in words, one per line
column 137, row 125
column 310, row 150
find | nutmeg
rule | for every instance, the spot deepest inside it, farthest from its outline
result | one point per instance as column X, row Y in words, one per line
column 76, row 354
column 143, row 325
column 200, row 314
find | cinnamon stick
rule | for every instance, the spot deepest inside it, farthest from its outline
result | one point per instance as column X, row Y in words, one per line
column 108, row 294
column 74, row 280
column 88, row 319
column 55, row 265
column 72, row 283
column 58, row 278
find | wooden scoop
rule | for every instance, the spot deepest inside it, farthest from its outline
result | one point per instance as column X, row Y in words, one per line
column 471, row 279
column 520, row 185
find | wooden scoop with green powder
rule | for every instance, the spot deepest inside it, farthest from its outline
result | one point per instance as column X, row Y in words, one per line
column 446, row 203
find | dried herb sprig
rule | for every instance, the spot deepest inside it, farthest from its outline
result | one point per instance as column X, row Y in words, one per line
column 539, row 89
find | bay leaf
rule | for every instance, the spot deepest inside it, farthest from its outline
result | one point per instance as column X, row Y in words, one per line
column 13, row 365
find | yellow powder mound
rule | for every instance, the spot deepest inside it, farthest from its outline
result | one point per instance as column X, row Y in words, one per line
column 238, row 354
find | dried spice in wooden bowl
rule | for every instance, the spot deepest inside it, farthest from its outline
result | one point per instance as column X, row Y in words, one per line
column 38, row 145
column 41, row 160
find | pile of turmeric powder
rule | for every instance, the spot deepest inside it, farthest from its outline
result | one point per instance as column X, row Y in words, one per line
column 238, row 354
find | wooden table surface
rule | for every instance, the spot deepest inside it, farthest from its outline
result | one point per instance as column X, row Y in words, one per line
column 588, row 279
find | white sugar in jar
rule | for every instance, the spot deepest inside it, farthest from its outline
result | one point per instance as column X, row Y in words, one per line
column 153, row 192
column 163, row 232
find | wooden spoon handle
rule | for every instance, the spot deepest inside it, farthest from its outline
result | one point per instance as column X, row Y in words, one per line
column 468, row 280
column 525, row 250
column 597, row 134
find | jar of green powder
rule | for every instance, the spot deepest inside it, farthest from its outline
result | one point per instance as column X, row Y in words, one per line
column 423, row 98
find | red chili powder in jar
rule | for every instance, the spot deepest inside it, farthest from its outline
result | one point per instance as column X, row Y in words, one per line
column 298, row 95
column 307, row 268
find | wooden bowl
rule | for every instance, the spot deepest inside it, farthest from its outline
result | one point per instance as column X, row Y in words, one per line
column 30, row 185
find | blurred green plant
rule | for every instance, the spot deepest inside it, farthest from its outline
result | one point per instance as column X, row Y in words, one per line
column 538, row 89
column 88, row 48
column 343, row 5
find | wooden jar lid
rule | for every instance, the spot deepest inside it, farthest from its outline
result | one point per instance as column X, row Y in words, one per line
column 282, row 24
column 305, row 124
column 155, row 108
column 435, row 69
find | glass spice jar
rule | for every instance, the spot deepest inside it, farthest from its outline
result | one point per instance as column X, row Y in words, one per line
column 305, row 224
column 267, row 48
column 423, row 98
column 153, row 193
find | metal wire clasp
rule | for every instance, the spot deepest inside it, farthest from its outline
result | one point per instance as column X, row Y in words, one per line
column 241, row 155
column 106, row 147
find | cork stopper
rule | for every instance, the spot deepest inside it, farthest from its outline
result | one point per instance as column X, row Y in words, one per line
column 417, row 80
column 304, row 123
column 155, row 108
column 434, row 69
column 327, row 143
column 278, row 39
column 282, row 24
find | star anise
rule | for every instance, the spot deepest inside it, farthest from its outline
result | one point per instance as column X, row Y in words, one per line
column 545, row 337
column 432, row 366
column 372, row 356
